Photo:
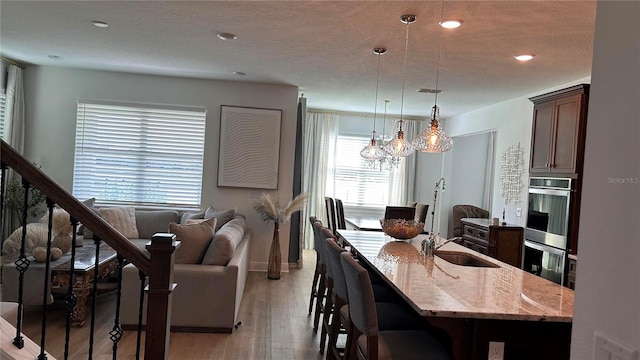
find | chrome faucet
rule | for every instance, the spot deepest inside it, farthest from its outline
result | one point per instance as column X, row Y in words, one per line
column 435, row 198
column 429, row 246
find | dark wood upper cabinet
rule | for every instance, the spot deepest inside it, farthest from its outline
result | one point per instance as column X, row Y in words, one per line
column 558, row 135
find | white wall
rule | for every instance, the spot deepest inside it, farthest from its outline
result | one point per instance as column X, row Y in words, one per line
column 51, row 94
column 608, row 278
column 467, row 180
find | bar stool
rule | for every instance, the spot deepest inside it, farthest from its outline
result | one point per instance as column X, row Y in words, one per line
column 376, row 344
column 316, row 274
column 322, row 281
column 328, row 308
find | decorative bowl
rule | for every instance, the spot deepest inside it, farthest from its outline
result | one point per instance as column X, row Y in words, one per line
column 402, row 229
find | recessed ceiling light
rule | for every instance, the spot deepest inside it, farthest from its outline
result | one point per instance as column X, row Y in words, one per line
column 100, row 24
column 226, row 36
column 524, row 57
column 55, row 57
column 450, row 23
column 239, row 73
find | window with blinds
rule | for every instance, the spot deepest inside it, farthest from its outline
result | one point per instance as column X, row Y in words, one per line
column 361, row 189
column 3, row 121
column 136, row 154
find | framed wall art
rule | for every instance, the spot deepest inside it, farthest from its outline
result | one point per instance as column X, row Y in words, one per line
column 249, row 147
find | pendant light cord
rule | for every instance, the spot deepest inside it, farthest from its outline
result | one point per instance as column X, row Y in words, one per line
column 439, row 53
column 378, row 52
column 404, row 74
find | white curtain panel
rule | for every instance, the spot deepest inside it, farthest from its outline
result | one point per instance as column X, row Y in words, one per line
column 318, row 147
column 401, row 187
column 15, row 109
column 14, row 126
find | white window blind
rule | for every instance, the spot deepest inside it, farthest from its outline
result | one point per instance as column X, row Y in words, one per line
column 360, row 188
column 3, row 121
column 138, row 154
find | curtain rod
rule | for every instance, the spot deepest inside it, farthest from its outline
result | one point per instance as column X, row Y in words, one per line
column 13, row 62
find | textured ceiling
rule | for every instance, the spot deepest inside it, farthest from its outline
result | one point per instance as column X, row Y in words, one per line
column 323, row 47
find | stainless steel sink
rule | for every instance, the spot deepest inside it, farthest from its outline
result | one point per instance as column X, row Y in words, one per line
column 464, row 259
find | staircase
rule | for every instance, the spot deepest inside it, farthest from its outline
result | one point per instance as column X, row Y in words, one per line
column 157, row 267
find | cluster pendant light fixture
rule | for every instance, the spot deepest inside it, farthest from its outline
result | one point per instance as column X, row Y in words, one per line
column 399, row 146
column 433, row 139
column 373, row 153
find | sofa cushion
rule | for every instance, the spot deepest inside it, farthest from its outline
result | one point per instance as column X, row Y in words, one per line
column 122, row 219
column 224, row 242
column 191, row 215
column 194, row 240
column 149, row 222
column 223, row 216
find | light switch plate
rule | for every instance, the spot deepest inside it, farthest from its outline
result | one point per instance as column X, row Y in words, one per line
column 607, row 349
column 518, row 211
column 496, row 350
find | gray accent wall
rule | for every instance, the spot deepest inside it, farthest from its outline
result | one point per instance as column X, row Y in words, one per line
column 51, row 95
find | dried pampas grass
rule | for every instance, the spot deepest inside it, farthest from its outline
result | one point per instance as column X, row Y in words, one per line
column 268, row 207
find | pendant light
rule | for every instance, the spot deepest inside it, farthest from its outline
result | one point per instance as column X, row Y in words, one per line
column 433, row 139
column 372, row 153
column 399, row 147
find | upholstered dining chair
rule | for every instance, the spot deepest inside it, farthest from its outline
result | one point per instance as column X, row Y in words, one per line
column 421, row 212
column 340, row 221
column 400, row 212
column 377, row 344
column 331, row 213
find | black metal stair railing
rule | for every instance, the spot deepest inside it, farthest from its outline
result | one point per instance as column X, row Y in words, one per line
column 125, row 252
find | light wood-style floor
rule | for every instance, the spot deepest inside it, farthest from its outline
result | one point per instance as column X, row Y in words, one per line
column 275, row 325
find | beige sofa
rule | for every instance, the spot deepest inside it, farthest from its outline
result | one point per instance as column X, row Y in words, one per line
column 207, row 296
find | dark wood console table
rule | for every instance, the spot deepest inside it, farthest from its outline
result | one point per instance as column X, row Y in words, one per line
column 502, row 242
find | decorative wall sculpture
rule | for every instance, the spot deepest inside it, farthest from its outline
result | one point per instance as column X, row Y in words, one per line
column 511, row 177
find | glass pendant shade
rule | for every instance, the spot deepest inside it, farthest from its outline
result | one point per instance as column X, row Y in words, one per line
column 398, row 146
column 372, row 152
column 433, row 139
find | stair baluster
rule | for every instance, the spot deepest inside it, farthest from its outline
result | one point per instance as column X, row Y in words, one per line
column 116, row 333
column 45, row 293
column 70, row 299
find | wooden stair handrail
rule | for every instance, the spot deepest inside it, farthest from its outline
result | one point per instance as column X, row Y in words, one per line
column 75, row 208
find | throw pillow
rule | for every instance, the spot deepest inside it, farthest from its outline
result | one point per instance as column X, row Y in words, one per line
column 191, row 215
column 149, row 222
column 122, row 219
column 224, row 242
column 194, row 240
column 223, row 216
column 196, row 221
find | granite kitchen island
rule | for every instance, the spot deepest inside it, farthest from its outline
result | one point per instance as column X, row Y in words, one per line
column 490, row 301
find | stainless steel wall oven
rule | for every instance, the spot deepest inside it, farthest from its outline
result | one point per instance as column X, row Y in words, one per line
column 547, row 227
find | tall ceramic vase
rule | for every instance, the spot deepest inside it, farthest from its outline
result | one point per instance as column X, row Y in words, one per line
column 273, row 268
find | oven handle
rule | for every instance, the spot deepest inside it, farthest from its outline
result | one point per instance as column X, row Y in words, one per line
column 547, row 191
column 544, row 248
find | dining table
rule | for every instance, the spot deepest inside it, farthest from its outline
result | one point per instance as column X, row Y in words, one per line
column 478, row 300
column 364, row 223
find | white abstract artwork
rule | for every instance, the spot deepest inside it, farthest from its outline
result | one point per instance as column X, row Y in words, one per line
column 249, row 147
